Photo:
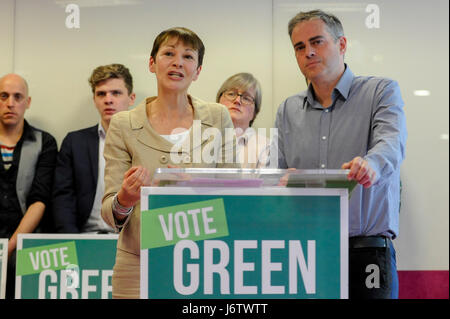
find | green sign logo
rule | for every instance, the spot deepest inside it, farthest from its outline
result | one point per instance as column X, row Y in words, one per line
column 194, row 221
column 51, row 257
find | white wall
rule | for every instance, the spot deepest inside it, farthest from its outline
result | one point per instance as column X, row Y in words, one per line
column 411, row 46
column 57, row 61
column 7, row 42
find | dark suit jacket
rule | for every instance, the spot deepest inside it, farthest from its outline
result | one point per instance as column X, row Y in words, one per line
column 75, row 180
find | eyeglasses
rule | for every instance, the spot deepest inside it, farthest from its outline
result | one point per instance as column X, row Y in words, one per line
column 246, row 99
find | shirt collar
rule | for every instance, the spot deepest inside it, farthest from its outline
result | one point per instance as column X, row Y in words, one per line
column 101, row 131
column 343, row 86
column 27, row 132
column 345, row 82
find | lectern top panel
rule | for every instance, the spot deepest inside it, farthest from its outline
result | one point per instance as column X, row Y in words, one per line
column 245, row 177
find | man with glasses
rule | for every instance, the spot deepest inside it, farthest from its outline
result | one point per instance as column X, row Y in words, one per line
column 349, row 122
column 241, row 94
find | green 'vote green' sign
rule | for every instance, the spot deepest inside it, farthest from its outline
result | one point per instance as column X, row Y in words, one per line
column 194, row 221
column 65, row 266
column 244, row 243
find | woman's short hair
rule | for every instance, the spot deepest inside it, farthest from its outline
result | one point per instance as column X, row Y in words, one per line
column 243, row 81
column 187, row 36
column 111, row 71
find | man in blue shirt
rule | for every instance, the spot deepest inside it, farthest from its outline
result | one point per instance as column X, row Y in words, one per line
column 349, row 122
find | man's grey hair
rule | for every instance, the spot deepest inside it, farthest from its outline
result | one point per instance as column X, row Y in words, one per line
column 332, row 22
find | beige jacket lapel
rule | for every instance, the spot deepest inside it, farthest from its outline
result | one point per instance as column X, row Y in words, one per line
column 146, row 135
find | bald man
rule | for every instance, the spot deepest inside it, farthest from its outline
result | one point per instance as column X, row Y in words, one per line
column 27, row 163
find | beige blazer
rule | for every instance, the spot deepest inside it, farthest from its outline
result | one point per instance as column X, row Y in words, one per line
column 131, row 141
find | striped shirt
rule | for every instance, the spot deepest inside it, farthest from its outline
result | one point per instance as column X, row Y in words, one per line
column 7, row 155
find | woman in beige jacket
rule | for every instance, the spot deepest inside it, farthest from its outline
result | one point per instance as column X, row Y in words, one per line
column 143, row 139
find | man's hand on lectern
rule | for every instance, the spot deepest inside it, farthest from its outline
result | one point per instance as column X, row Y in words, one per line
column 360, row 171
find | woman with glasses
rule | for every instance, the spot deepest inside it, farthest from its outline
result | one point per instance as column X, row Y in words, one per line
column 146, row 138
column 241, row 94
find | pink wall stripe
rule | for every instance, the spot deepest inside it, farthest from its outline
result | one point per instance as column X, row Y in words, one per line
column 426, row 284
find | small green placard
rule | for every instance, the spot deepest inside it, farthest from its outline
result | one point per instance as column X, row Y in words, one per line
column 52, row 257
column 194, row 221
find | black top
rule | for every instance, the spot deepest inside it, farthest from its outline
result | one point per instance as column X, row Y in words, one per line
column 10, row 211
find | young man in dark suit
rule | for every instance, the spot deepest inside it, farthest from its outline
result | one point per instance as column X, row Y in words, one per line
column 78, row 187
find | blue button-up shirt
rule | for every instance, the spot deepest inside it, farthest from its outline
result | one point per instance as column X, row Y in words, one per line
column 365, row 119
